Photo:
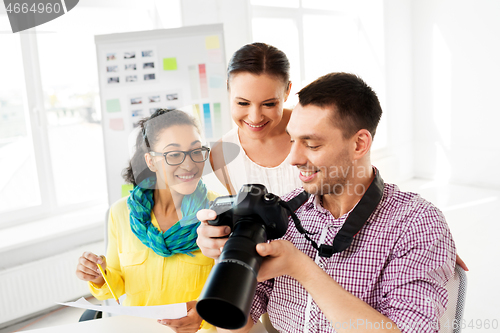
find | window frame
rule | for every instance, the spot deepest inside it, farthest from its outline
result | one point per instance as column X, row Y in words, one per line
column 297, row 14
column 37, row 123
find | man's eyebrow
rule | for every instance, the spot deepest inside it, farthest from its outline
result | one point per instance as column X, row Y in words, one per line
column 307, row 136
column 310, row 137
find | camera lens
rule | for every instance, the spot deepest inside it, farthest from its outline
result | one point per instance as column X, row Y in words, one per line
column 229, row 290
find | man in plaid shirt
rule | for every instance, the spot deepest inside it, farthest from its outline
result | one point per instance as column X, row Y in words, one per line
column 393, row 274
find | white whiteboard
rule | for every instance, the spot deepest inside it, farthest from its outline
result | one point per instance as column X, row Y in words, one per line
column 182, row 68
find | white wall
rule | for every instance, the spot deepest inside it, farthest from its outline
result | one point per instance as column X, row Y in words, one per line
column 456, row 68
column 233, row 14
column 396, row 161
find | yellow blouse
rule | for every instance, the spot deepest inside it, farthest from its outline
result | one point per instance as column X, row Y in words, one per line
column 147, row 278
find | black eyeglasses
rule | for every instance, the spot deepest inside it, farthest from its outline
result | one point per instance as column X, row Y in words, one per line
column 176, row 157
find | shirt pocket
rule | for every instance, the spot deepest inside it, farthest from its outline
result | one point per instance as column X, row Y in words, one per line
column 194, row 271
column 135, row 271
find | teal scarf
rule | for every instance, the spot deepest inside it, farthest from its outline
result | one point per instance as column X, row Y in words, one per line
column 181, row 237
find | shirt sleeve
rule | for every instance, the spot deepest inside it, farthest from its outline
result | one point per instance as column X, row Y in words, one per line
column 414, row 294
column 113, row 268
column 261, row 298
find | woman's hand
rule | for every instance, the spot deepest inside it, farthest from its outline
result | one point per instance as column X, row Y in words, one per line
column 462, row 264
column 189, row 324
column 87, row 269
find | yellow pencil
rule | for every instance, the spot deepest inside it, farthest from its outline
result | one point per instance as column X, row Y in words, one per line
column 109, row 286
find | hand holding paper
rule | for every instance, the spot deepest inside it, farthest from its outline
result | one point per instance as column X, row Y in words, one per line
column 171, row 311
column 191, row 322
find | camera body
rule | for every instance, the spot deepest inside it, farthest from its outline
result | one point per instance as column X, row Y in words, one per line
column 254, row 216
column 255, row 203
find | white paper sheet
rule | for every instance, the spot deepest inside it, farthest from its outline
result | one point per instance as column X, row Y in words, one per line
column 171, row 311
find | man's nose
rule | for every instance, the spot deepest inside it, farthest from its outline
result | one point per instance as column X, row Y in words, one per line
column 297, row 156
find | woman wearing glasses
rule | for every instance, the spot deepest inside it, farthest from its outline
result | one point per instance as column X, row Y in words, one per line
column 152, row 255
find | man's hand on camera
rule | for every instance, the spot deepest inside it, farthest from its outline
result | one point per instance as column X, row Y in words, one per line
column 280, row 258
column 211, row 239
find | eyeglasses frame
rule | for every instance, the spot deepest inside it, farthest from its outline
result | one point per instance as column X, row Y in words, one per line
column 188, row 152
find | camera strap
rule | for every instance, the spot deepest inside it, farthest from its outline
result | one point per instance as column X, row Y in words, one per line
column 352, row 225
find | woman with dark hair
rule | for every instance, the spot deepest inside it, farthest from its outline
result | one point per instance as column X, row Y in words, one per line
column 152, row 255
column 258, row 81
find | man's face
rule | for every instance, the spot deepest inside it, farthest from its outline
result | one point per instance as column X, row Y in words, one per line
column 319, row 150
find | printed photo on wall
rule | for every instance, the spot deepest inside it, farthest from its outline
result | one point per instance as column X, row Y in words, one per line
column 148, row 53
column 172, row 97
column 154, row 99
column 111, row 69
column 136, row 100
column 128, row 55
column 148, row 65
column 130, row 67
column 137, row 113
column 149, row 77
column 110, row 56
column 115, row 79
column 131, row 78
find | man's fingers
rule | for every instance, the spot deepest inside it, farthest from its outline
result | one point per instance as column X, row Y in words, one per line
column 268, row 249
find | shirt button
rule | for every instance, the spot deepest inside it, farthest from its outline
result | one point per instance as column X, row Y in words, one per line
column 321, row 265
column 314, row 307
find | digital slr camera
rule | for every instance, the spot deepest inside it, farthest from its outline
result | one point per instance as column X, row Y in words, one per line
column 254, row 216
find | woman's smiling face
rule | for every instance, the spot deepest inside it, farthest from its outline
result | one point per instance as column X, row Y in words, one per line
column 182, row 178
column 257, row 102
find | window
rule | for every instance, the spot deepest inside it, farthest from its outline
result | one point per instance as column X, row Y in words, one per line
column 18, row 168
column 51, row 149
column 323, row 36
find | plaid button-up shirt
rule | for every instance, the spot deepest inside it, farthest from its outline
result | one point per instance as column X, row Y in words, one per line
column 398, row 263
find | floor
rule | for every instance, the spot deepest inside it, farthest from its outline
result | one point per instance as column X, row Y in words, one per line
column 475, row 223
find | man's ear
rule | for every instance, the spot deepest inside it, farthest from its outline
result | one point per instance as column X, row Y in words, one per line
column 149, row 162
column 362, row 143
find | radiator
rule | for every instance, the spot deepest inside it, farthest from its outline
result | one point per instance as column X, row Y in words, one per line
column 34, row 287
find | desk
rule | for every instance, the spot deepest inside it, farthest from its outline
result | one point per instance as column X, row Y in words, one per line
column 123, row 324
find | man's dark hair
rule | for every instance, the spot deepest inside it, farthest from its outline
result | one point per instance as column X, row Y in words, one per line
column 355, row 104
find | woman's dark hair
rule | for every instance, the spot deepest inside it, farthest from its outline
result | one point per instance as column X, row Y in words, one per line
column 260, row 58
column 147, row 137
